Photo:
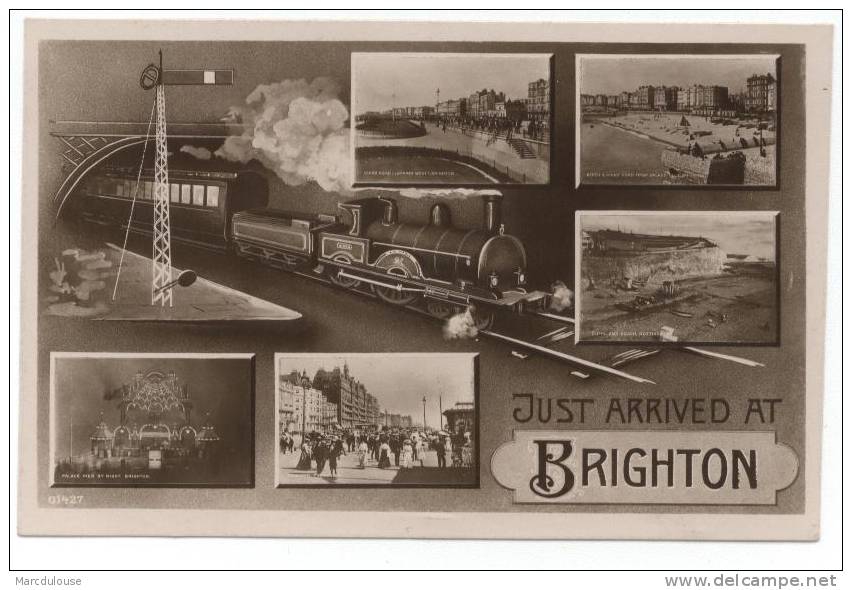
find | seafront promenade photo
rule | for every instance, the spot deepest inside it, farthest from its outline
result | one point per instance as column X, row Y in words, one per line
column 457, row 119
column 677, row 120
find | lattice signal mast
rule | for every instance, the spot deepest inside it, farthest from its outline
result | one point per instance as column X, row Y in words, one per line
column 153, row 76
column 161, row 287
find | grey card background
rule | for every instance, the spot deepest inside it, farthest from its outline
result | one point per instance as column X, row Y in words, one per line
column 98, row 80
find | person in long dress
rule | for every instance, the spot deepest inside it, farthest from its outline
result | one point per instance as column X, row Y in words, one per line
column 384, row 455
column 334, row 452
column 304, row 463
column 448, row 449
column 441, row 452
column 406, row 454
column 467, row 455
column 362, row 454
column 415, row 438
column 321, row 455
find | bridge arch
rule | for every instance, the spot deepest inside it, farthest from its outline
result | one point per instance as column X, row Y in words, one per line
column 66, row 189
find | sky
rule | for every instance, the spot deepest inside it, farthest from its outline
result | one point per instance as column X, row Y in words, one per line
column 399, row 381
column 613, row 75
column 414, row 77
column 222, row 387
column 99, row 80
column 750, row 233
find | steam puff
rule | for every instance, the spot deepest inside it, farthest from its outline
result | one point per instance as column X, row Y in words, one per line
column 296, row 129
column 460, row 326
column 562, row 297
column 201, row 153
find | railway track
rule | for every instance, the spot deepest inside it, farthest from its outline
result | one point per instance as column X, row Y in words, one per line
column 582, row 368
column 523, row 347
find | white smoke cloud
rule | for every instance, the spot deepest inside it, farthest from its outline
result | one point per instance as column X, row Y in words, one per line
column 201, row 153
column 562, row 297
column 297, row 129
column 461, row 326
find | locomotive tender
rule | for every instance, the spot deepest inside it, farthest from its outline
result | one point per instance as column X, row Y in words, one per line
column 447, row 268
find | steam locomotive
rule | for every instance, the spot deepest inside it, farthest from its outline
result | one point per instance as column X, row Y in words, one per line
column 445, row 267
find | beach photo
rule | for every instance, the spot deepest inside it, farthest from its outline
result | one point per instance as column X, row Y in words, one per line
column 677, row 120
column 401, row 419
column 451, row 118
column 155, row 420
column 688, row 277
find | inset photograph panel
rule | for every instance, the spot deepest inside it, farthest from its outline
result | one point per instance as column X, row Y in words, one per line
column 386, row 420
column 136, row 420
column 677, row 120
column 706, row 277
column 451, row 118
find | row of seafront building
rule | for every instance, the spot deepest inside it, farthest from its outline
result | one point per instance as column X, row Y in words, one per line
column 331, row 397
column 481, row 104
column 760, row 96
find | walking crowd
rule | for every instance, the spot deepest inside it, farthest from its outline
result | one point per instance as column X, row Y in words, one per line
column 495, row 128
column 400, row 448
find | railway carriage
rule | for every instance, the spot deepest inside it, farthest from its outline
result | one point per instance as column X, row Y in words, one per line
column 201, row 203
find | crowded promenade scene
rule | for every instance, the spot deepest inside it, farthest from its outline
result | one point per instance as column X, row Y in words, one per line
column 376, row 420
column 678, row 120
column 451, row 118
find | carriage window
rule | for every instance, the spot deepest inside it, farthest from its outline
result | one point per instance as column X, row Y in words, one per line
column 130, row 189
column 198, row 194
column 185, row 194
column 118, row 188
column 212, row 196
column 149, row 190
column 174, row 190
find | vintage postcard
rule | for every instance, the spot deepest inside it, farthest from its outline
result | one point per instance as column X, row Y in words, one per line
column 451, row 118
column 126, row 421
column 394, row 420
column 678, row 119
column 437, row 333
column 672, row 276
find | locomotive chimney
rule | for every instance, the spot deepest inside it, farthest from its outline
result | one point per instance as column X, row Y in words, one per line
column 391, row 213
column 493, row 213
column 439, row 215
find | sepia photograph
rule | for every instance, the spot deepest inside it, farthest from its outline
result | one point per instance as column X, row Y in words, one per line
column 677, row 120
column 451, row 118
column 130, row 420
column 377, row 420
column 688, row 277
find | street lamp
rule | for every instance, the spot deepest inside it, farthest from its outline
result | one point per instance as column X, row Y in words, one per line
column 424, row 412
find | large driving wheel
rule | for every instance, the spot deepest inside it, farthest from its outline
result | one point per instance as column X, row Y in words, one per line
column 483, row 321
column 401, row 264
column 395, row 296
column 343, row 282
column 441, row 309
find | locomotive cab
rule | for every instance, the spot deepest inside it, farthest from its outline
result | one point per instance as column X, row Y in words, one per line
column 502, row 263
column 362, row 213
